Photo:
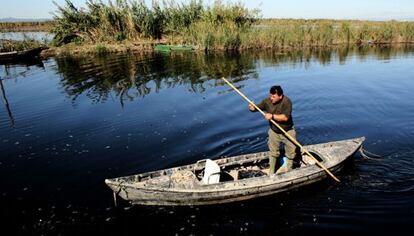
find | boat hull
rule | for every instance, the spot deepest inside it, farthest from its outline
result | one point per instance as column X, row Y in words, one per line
column 20, row 55
column 334, row 154
column 169, row 48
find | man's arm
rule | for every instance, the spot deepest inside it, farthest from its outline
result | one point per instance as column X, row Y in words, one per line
column 261, row 106
column 280, row 117
column 286, row 113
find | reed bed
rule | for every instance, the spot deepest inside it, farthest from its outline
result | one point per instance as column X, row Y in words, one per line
column 13, row 45
column 216, row 26
column 220, row 26
column 304, row 33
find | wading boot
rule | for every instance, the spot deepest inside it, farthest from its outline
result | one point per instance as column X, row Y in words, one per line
column 286, row 166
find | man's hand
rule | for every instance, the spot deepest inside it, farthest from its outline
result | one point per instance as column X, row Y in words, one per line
column 251, row 107
column 268, row 116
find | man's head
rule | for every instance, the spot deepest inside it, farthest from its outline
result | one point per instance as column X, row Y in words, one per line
column 276, row 93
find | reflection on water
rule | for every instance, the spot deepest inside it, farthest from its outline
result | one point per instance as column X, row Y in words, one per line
column 68, row 123
column 15, row 70
column 6, row 103
column 128, row 75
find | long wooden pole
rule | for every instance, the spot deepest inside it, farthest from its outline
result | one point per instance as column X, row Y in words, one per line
column 284, row 132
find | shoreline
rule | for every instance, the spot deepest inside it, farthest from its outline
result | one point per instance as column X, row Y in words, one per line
column 148, row 47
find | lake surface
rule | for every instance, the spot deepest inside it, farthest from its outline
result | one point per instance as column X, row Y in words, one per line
column 66, row 124
column 38, row 36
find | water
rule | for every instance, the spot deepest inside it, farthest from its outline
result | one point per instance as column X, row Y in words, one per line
column 66, row 124
column 38, row 36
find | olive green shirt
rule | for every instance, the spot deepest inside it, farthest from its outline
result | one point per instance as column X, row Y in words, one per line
column 284, row 106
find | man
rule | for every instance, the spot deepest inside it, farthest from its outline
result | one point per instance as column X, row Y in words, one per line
column 278, row 107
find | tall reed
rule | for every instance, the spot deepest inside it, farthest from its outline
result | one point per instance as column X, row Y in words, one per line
column 288, row 33
column 225, row 26
column 134, row 20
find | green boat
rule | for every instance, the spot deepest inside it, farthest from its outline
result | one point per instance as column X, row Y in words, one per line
column 167, row 48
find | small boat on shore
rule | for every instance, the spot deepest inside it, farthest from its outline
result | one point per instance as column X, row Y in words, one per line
column 230, row 179
column 20, row 55
column 168, row 48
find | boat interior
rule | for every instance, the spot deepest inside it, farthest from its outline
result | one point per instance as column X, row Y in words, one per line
column 206, row 171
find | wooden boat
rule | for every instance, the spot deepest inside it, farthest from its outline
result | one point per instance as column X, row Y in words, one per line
column 241, row 177
column 168, row 48
column 20, row 55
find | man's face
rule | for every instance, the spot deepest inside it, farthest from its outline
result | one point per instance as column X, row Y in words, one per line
column 274, row 98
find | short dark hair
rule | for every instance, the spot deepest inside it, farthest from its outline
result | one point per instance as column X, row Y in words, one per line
column 276, row 89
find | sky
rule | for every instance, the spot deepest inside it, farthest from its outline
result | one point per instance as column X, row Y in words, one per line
column 303, row 9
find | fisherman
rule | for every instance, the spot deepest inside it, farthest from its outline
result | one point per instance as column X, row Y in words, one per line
column 278, row 108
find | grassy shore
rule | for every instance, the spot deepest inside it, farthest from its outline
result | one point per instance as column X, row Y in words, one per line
column 217, row 27
column 9, row 45
column 304, row 33
column 123, row 25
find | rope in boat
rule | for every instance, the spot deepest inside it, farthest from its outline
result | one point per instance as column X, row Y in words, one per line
column 368, row 155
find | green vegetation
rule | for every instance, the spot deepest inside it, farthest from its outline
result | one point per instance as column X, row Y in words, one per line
column 307, row 33
column 12, row 45
column 131, row 25
column 26, row 42
column 217, row 26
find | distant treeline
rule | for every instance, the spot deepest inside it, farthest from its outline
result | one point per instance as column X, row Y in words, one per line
column 26, row 26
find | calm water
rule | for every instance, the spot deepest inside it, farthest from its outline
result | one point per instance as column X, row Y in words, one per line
column 66, row 124
column 39, row 36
